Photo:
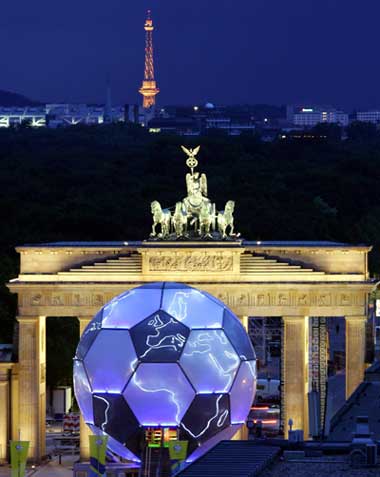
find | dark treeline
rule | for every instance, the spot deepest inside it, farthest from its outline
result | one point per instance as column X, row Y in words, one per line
column 96, row 183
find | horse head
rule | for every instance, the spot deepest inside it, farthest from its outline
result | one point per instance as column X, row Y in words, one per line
column 155, row 207
column 230, row 206
column 178, row 208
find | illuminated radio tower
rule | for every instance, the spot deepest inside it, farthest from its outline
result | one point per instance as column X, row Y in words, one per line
column 149, row 88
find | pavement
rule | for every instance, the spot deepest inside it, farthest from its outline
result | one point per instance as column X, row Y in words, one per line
column 52, row 469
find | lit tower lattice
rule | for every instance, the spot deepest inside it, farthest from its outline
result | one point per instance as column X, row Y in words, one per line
column 149, row 88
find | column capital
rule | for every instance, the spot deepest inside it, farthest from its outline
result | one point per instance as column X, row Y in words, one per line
column 85, row 318
column 359, row 318
column 293, row 318
column 28, row 319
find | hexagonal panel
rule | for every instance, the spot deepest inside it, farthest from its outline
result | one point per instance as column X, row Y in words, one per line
column 159, row 338
column 159, row 394
column 113, row 415
column 130, row 307
column 83, row 392
column 209, row 361
column 88, row 336
column 238, row 336
column 113, row 351
column 224, row 435
column 207, row 415
column 192, row 308
column 243, row 392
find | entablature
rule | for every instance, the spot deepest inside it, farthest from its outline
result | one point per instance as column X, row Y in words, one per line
column 245, row 299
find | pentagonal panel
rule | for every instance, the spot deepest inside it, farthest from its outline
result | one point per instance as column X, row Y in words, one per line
column 243, row 392
column 113, row 415
column 110, row 361
column 159, row 394
column 238, row 336
column 90, row 333
column 82, row 391
column 159, row 338
column 115, row 446
column 132, row 306
column 209, row 361
column 192, row 308
column 207, row 415
column 224, row 435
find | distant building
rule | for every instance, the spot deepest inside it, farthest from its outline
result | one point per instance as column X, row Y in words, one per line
column 17, row 116
column 61, row 115
column 310, row 117
column 176, row 126
column 368, row 116
column 193, row 121
column 58, row 115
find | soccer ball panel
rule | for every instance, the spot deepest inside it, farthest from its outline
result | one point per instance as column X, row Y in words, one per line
column 82, row 391
column 209, row 361
column 238, row 336
column 243, row 392
column 192, row 308
column 159, row 338
column 90, row 333
column 113, row 415
column 114, row 349
column 159, row 394
column 207, row 415
column 128, row 309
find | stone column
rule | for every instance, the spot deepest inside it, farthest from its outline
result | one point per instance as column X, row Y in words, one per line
column 15, row 406
column 32, row 384
column 242, row 433
column 84, row 429
column 295, row 370
column 4, row 411
column 355, row 348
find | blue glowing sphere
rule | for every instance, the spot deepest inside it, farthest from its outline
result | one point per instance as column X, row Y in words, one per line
column 165, row 355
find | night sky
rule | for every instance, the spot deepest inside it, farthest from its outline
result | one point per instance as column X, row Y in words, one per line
column 224, row 51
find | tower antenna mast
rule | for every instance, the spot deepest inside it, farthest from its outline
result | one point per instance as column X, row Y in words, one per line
column 149, row 88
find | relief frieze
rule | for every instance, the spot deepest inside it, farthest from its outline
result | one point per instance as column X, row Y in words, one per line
column 190, row 262
column 238, row 298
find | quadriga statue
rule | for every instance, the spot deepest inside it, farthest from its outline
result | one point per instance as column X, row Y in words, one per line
column 195, row 217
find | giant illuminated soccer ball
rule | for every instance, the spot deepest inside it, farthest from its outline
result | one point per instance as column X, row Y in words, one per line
column 165, row 355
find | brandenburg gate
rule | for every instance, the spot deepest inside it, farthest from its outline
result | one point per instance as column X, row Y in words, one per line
column 297, row 281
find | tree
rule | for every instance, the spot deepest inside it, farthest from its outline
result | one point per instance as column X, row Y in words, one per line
column 362, row 132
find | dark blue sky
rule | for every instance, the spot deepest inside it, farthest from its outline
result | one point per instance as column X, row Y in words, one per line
column 224, row 51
